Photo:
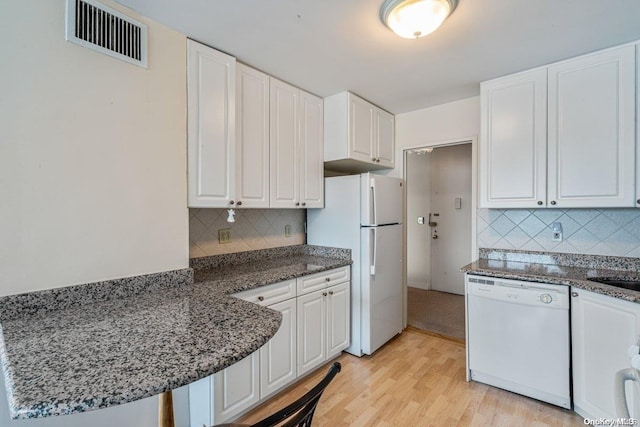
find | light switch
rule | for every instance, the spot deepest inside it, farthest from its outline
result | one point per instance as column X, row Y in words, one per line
column 420, row 220
column 458, row 203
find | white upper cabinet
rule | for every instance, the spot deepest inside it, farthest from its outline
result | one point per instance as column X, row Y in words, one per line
column 638, row 121
column 358, row 136
column 211, row 119
column 296, row 148
column 561, row 136
column 592, row 130
column 384, row 128
column 513, row 142
column 311, row 151
column 253, row 141
column 252, row 138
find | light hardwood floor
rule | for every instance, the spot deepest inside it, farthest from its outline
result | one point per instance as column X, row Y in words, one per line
column 417, row 379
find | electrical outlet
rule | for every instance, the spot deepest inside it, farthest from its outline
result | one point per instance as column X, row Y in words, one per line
column 287, row 230
column 224, row 235
column 556, row 229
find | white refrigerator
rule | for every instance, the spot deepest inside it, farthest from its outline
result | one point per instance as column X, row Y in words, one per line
column 364, row 213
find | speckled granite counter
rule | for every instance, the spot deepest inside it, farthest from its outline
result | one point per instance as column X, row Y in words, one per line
column 60, row 358
column 561, row 269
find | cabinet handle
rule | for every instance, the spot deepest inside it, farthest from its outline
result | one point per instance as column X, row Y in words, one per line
column 231, row 202
column 297, row 204
column 553, row 202
column 239, row 203
column 378, row 160
column 330, row 292
column 539, row 202
column 574, row 294
column 328, row 279
column 324, row 294
column 260, row 298
column 638, row 201
column 373, row 159
column 304, row 204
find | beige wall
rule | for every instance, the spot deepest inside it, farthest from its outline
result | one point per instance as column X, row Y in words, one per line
column 92, row 155
column 253, row 229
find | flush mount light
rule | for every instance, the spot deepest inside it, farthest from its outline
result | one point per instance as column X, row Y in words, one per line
column 415, row 18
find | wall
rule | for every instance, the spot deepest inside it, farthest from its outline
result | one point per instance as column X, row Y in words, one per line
column 92, row 170
column 588, row 231
column 418, row 236
column 92, row 155
column 253, row 229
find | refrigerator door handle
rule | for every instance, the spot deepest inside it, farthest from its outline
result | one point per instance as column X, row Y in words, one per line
column 374, row 205
column 374, row 255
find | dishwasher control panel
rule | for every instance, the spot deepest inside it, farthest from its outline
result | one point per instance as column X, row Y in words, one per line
column 529, row 293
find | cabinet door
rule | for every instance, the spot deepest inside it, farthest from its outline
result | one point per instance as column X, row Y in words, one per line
column 211, row 118
column 278, row 355
column 638, row 127
column 236, row 388
column 361, row 141
column 513, row 132
column 312, row 330
column 385, row 138
column 602, row 328
column 592, row 130
column 311, row 151
column 283, row 145
column 252, row 138
column 338, row 323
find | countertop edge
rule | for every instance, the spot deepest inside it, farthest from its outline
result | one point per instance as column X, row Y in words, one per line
column 54, row 407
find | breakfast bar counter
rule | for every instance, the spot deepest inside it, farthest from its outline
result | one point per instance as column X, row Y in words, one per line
column 92, row 346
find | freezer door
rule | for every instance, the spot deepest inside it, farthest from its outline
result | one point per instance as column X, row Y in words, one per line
column 381, row 278
column 381, row 200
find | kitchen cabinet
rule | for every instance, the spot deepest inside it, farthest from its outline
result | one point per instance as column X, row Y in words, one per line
column 211, row 79
column 561, row 136
column 513, row 142
column 637, row 121
column 252, row 138
column 359, row 136
column 296, row 153
column 323, row 321
column 315, row 322
column 591, row 143
column 602, row 329
column 278, row 355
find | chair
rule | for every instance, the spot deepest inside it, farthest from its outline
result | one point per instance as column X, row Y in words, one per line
column 300, row 412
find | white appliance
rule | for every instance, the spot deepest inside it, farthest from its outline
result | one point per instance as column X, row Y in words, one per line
column 626, row 385
column 518, row 337
column 364, row 213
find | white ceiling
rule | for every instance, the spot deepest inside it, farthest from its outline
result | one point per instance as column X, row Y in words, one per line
column 328, row 46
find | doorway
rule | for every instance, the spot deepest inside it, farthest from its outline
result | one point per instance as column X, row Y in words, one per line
column 439, row 222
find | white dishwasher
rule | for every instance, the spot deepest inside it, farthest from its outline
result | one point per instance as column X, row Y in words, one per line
column 518, row 337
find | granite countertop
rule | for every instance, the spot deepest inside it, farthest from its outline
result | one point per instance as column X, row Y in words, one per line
column 560, row 269
column 107, row 352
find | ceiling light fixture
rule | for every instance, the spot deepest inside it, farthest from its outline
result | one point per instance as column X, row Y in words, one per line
column 415, row 18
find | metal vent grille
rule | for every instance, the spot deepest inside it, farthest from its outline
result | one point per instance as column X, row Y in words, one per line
column 98, row 27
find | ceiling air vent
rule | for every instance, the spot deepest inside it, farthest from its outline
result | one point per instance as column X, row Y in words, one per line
column 98, row 27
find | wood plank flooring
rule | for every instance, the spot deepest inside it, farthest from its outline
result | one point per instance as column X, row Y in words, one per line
column 417, row 379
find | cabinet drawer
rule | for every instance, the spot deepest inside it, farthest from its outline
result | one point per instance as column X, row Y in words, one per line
column 270, row 294
column 322, row 280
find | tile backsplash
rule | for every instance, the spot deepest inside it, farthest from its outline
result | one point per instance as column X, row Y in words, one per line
column 253, row 229
column 585, row 231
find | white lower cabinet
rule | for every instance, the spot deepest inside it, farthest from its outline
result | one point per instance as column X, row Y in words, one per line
column 278, row 356
column 602, row 329
column 315, row 328
column 323, row 325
